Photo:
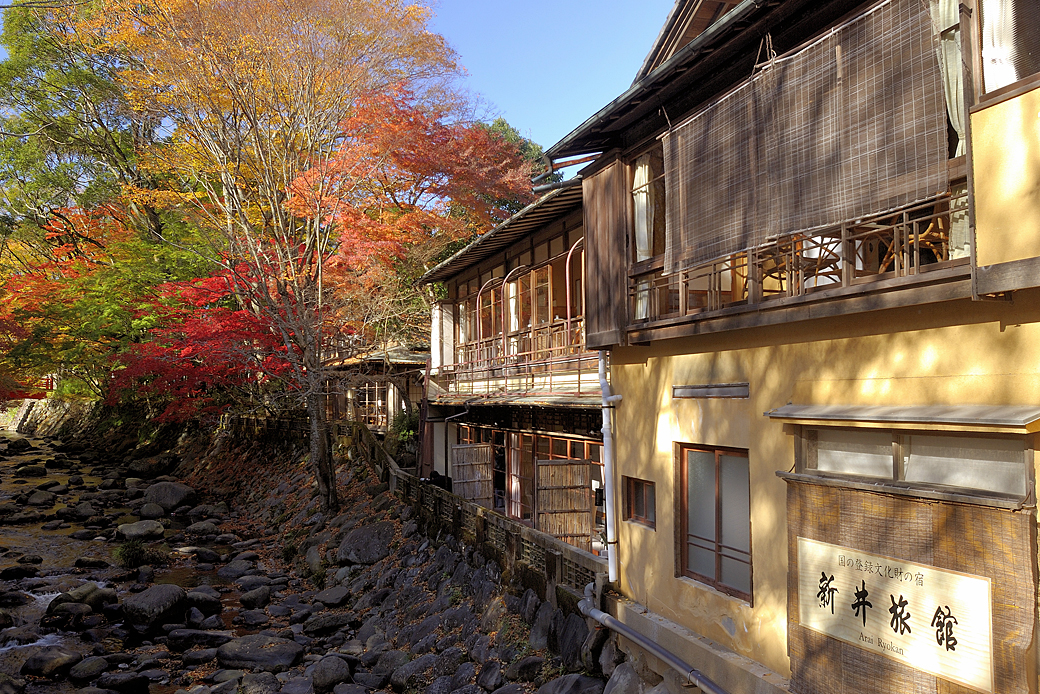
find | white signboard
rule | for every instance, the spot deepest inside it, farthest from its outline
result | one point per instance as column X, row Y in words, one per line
column 934, row 620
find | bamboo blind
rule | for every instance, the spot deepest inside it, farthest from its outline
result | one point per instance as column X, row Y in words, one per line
column 472, row 467
column 977, row 540
column 852, row 125
column 565, row 501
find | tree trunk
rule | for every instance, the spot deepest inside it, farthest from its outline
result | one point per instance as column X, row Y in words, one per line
column 321, row 453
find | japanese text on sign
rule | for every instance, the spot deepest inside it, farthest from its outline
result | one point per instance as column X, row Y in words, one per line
column 932, row 619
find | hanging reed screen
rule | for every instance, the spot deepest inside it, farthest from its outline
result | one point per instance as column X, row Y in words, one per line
column 852, row 125
column 565, row 501
column 472, row 468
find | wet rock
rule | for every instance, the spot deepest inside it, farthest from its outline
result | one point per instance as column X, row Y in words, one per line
column 259, row 652
column 13, row 598
column 366, row 544
column 19, row 446
column 124, row 682
column 42, row 498
column 183, row 639
column 256, row 598
column 193, row 658
column 202, row 528
column 13, row 573
column 206, row 555
column 141, row 530
column 91, row 563
column 253, row 618
column 169, row 495
column 6, row 620
column 151, row 511
column 248, row 583
column 84, row 510
column 30, row 559
column 19, row 636
column 155, row 605
column 329, row 671
column 573, row 684
column 9, row 685
column 31, row 471
column 53, row 662
column 235, row 569
column 205, row 601
column 88, row 669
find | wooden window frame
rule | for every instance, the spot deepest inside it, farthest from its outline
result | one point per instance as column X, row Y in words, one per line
column 683, row 534
column 634, row 488
column 806, row 462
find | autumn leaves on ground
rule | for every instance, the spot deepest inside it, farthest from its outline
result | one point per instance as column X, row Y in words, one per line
column 199, row 197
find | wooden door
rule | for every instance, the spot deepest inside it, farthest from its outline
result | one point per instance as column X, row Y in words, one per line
column 472, row 468
column 565, row 501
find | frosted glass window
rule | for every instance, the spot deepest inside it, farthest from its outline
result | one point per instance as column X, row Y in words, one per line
column 700, row 481
column 995, row 465
column 717, row 519
column 862, row 452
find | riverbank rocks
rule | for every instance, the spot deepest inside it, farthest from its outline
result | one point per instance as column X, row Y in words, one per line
column 367, row 544
column 260, row 652
column 141, row 530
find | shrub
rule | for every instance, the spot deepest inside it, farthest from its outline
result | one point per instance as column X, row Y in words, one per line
column 134, row 553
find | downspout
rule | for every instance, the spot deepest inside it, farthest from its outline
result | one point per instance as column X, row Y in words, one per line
column 608, row 465
column 692, row 674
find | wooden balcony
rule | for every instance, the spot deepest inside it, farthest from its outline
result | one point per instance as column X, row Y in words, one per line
column 548, row 359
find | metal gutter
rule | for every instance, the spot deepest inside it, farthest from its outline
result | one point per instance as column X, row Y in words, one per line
column 693, row 675
column 662, row 73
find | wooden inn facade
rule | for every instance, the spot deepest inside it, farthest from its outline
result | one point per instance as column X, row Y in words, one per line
column 810, row 245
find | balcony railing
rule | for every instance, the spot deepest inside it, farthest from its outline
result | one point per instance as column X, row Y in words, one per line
column 547, row 358
column 914, row 241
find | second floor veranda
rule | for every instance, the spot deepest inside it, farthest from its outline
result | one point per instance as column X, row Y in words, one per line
column 545, row 359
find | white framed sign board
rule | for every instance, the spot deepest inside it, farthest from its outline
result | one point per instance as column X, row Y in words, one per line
column 932, row 619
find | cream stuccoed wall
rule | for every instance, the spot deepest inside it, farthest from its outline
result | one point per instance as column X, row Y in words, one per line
column 955, row 353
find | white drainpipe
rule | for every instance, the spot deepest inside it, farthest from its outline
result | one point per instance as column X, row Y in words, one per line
column 608, row 466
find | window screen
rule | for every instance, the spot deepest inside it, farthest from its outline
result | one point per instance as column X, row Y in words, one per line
column 854, row 452
column 994, row 465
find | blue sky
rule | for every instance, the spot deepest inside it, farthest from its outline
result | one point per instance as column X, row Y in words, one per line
column 547, row 65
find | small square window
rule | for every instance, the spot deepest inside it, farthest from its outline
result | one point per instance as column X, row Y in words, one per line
column 640, row 502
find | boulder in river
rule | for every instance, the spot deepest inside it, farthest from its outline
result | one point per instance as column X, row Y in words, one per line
column 141, row 530
column 151, row 511
column 155, row 605
column 169, row 495
column 259, row 652
column 51, row 661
